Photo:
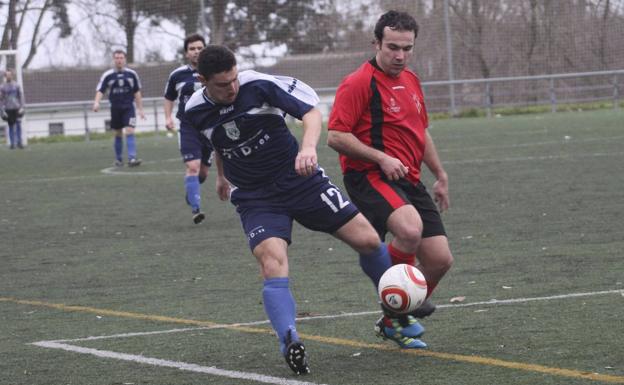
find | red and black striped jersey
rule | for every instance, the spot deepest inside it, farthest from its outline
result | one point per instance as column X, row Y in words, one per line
column 384, row 112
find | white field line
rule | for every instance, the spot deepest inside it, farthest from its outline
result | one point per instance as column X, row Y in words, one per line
column 172, row 364
column 544, row 143
column 121, row 171
column 60, row 344
column 531, row 158
column 482, row 303
column 344, row 315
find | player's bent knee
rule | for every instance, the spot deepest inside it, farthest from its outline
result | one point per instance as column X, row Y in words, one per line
column 193, row 168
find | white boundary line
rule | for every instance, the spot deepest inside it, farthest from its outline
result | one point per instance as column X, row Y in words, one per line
column 61, row 344
column 172, row 364
column 345, row 315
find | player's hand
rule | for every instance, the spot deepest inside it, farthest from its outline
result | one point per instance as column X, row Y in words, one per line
column 393, row 168
column 96, row 107
column 306, row 162
column 141, row 114
column 441, row 193
column 169, row 125
column 223, row 188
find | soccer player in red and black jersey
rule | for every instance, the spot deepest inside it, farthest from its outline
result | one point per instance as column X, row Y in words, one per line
column 379, row 124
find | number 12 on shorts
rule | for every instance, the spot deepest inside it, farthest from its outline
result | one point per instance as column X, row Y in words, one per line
column 333, row 192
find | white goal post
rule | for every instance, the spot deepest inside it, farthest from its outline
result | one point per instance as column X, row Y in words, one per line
column 17, row 68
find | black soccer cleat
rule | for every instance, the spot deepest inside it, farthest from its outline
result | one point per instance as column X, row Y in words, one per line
column 425, row 310
column 296, row 357
column 198, row 217
column 134, row 162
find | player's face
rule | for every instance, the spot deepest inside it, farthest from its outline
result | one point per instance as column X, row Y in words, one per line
column 192, row 52
column 119, row 59
column 222, row 87
column 8, row 75
column 395, row 50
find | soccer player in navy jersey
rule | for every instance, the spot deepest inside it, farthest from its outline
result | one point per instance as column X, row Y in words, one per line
column 273, row 180
column 196, row 150
column 379, row 124
column 124, row 88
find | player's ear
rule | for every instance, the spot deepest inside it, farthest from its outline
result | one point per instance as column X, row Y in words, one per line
column 377, row 44
column 202, row 79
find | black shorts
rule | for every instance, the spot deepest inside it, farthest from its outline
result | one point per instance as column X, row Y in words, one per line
column 377, row 197
column 122, row 117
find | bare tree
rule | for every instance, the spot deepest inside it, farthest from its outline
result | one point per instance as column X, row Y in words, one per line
column 37, row 11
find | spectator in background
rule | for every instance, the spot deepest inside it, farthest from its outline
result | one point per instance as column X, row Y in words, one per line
column 124, row 88
column 12, row 108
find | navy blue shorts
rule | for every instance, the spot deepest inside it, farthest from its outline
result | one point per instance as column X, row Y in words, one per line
column 194, row 145
column 122, row 117
column 312, row 201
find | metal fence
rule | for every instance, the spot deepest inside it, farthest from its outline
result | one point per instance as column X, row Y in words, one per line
column 76, row 118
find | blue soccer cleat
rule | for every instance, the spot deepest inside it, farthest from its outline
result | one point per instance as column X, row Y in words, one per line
column 406, row 334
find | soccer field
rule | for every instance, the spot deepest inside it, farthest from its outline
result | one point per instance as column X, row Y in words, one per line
column 104, row 279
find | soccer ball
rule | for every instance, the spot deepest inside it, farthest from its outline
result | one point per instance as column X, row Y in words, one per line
column 402, row 288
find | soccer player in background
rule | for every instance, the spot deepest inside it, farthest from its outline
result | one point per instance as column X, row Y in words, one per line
column 195, row 149
column 272, row 180
column 124, row 88
column 379, row 124
column 12, row 108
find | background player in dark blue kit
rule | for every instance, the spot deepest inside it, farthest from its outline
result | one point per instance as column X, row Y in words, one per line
column 195, row 148
column 124, row 88
column 273, row 180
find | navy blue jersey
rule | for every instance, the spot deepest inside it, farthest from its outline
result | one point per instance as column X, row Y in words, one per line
column 181, row 84
column 251, row 135
column 121, row 86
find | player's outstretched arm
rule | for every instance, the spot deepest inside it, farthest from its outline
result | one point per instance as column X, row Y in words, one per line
column 96, row 101
column 168, row 106
column 223, row 186
column 440, row 187
column 138, row 98
column 306, row 162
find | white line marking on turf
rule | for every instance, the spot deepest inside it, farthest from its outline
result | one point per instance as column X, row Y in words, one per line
column 533, row 144
column 59, row 344
column 342, row 315
column 531, row 158
column 113, row 170
column 172, row 364
column 489, row 302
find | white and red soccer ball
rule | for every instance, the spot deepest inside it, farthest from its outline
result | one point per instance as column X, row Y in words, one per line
column 402, row 288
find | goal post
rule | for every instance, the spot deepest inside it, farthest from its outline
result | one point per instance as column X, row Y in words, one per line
column 9, row 59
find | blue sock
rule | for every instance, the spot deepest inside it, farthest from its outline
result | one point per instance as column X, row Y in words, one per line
column 193, row 197
column 131, row 144
column 280, row 307
column 118, row 148
column 376, row 263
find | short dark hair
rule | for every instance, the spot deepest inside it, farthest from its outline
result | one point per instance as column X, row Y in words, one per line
column 121, row 51
column 215, row 59
column 192, row 39
column 400, row 21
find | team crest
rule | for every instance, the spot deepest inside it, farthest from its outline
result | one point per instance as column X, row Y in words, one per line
column 231, row 130
column 394, row 107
